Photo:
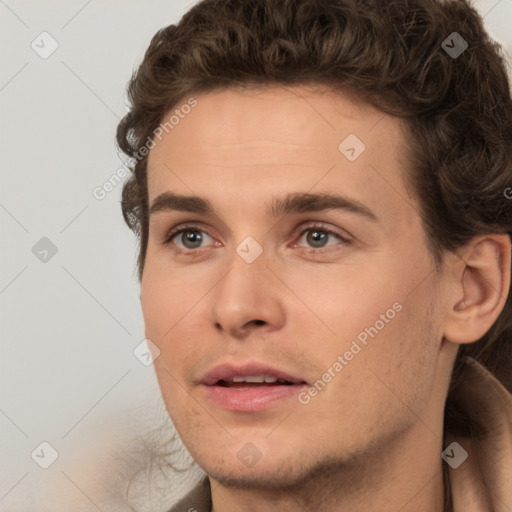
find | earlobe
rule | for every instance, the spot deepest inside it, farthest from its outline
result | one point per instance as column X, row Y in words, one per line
column 481, row 289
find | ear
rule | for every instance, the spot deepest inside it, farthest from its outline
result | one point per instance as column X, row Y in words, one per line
column 480, row 284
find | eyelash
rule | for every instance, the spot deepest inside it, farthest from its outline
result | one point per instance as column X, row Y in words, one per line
column 194, row 227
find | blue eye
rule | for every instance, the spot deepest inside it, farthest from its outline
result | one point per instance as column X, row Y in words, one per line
column 319, row 235
column 318, row 238
column 191, row 238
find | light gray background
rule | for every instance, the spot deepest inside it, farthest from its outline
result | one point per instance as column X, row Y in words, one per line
column 70, row 324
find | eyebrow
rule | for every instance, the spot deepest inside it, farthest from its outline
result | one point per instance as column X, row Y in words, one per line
column 292, row 203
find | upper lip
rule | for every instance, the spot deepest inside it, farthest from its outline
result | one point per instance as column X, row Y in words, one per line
column 228, row 371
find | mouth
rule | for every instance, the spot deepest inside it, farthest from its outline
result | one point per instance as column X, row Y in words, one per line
column 249, row 388
column 252, row 381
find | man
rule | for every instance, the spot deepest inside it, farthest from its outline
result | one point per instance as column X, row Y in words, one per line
column 319, row 188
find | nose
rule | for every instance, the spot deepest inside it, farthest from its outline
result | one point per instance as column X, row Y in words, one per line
column 247, row 298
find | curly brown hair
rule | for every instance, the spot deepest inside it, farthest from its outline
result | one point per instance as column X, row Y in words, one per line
column 458, row 109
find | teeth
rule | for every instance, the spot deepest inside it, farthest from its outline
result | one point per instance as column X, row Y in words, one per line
column 255, row 379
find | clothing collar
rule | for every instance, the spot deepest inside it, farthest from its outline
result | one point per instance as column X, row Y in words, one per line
column 483, row 482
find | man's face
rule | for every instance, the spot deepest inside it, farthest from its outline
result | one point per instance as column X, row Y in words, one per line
column 344, row 302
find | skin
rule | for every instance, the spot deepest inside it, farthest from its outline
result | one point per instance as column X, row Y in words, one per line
column 372, row 438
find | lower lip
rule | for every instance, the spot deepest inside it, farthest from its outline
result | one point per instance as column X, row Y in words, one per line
column 251, row 399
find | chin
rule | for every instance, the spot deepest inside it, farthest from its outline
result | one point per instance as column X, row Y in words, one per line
column 264, row 477
column 270, row 472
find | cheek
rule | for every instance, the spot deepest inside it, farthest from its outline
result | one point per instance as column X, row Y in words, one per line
column 167, row 296
column 187, row 416
column 392, row 372
column 378, row 321
column 337, row 304
column 162, row 310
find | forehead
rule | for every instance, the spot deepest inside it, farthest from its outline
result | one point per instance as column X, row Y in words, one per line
column 282, row 119
column 278, row 139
